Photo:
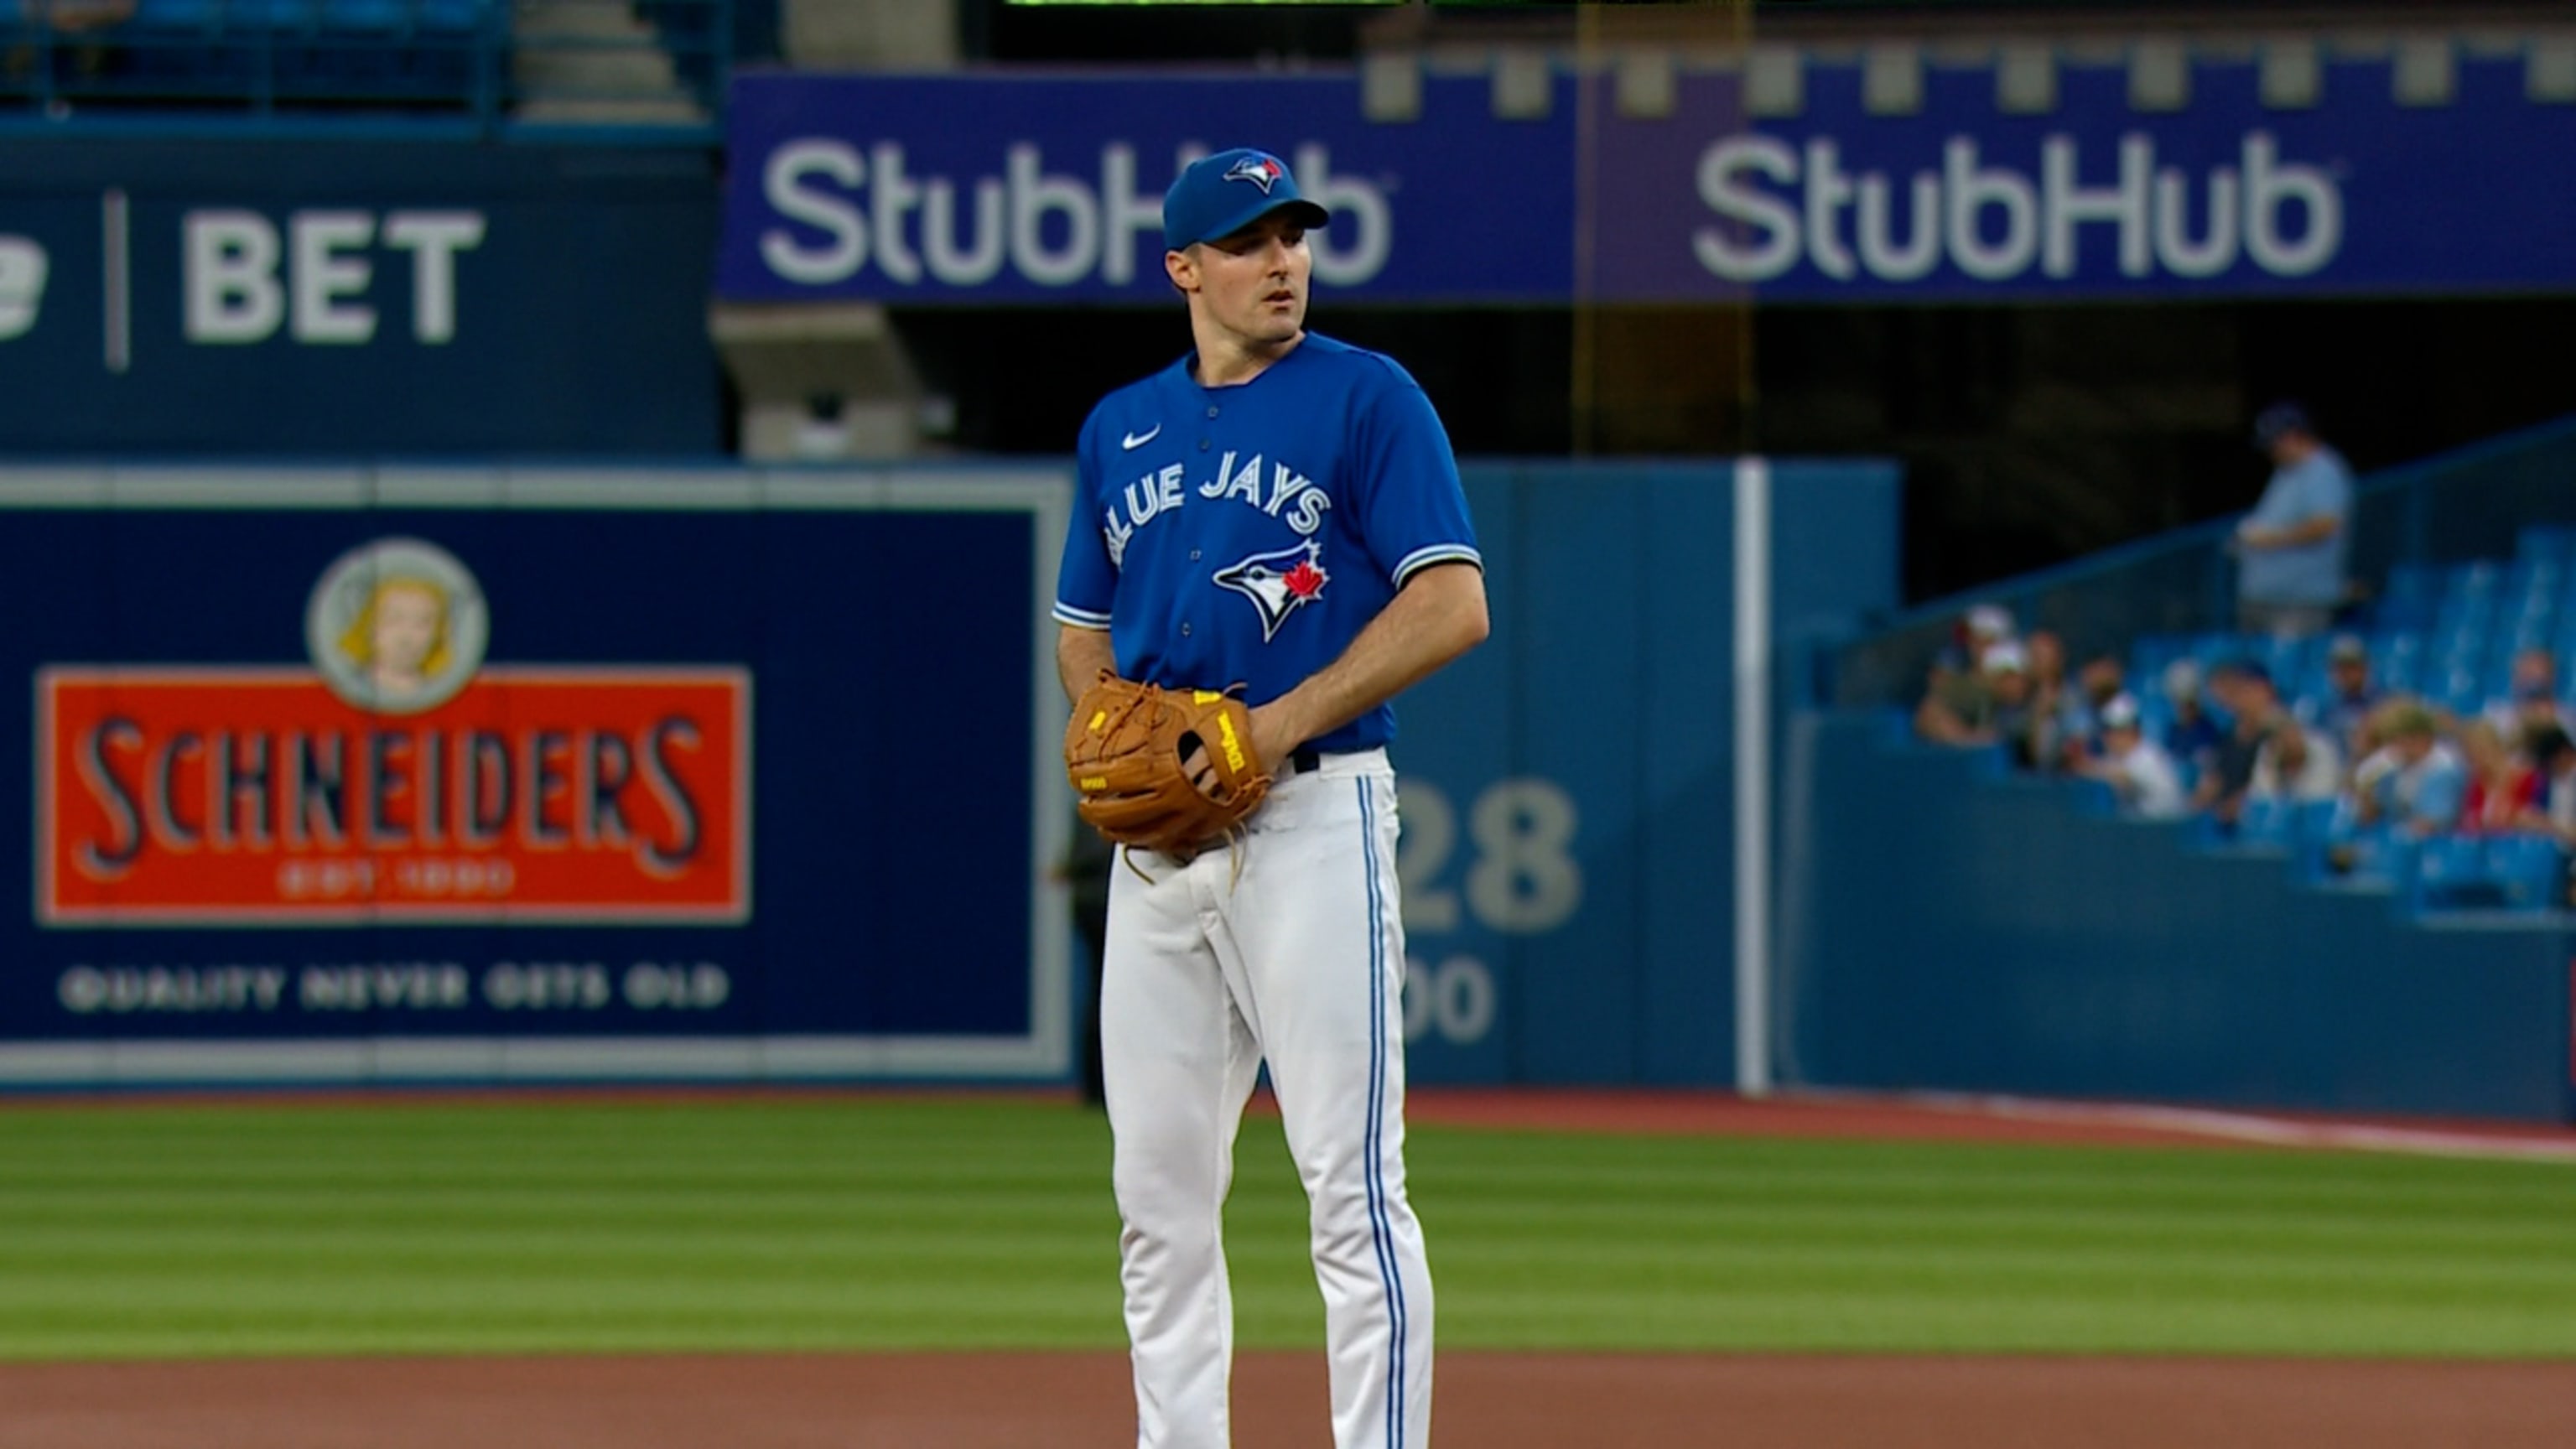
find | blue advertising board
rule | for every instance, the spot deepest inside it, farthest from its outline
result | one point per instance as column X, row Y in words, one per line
column 275, row 298
column 1028, row 188
column 459, row 774
column 465, row 774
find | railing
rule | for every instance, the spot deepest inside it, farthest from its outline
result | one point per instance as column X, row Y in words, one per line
column 2461, row 505
column 122, row 66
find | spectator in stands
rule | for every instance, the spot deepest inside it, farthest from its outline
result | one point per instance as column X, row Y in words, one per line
column 1958, row 700
column 2415, row 782
column 2244, row 689
column 2016, row 720
column 2349, row 696
column 2291, row 549
column 2552, row 753
column 2531, row 699
column 2297, row 763
column 2136, row 768
column 2553, row 757
column 2049, row 699
column 2098, row 685
column 2193, row 737
column 2503, row 786
column 76, row 25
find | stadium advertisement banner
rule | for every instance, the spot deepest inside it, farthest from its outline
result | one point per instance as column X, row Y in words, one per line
column 463, row 775
column 299, row 298
column 1007, row 188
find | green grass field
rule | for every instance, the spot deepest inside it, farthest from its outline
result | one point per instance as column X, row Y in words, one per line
column 167, row 1231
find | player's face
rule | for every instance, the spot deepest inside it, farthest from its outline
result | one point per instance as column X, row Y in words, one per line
column 1252, row 283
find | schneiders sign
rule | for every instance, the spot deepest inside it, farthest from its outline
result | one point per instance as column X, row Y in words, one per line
column 398, row 779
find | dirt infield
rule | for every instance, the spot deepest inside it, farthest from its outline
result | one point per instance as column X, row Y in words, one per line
column 1486, row 1401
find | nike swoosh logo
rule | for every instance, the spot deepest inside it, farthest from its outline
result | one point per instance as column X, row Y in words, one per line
column 1133, row 441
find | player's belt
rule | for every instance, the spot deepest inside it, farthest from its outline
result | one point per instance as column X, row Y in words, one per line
column 1304, row 760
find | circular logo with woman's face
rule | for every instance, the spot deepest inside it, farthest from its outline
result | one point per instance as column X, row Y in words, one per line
column 396, row 626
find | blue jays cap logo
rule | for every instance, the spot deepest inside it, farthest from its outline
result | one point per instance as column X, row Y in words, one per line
column 1262, row 171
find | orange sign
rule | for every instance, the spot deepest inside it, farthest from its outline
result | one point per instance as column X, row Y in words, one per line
column 264, row 796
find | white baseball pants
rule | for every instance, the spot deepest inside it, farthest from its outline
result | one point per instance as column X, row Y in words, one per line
column 1288, row 950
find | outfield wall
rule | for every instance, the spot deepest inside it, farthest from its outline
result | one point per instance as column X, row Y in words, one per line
column 1951, row 927
column 658, row 805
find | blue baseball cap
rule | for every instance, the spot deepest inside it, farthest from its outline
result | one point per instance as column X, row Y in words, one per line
column 1224, row 193
column 2279, row 418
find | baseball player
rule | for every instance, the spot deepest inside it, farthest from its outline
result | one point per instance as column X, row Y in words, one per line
column 1280, row 512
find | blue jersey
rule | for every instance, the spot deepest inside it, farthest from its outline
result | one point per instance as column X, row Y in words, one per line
column 1246, row 534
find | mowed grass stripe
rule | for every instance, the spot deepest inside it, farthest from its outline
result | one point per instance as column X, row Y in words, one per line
column 552, row 1226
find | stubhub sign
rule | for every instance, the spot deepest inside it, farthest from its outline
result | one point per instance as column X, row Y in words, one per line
column 1000, row 188
column 1993, row 223
column 991, row 188
column 842, row 212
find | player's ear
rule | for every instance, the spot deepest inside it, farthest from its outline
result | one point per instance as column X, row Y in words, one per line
column 1182, row 267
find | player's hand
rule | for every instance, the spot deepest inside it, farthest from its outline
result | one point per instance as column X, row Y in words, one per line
column 1275, row 735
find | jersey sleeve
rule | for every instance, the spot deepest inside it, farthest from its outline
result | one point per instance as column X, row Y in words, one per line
column 1413, row 511
column 1087, row 581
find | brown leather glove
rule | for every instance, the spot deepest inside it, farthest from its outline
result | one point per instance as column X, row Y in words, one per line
column 1129, row 750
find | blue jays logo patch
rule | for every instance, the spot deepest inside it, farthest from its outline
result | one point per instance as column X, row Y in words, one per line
column 1261, row 171
column 1278, row 583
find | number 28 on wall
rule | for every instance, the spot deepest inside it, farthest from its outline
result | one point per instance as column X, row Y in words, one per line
column 1520, row 876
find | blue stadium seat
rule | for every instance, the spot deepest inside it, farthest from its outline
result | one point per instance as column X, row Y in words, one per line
column 2529, row 870
column 2406, row 600
column 453, row 16
column 2450, row 873
column 365, row 17
column 2268, row 821
column 2500, row 872
column 176, row 14
column 2539, row 542
column 2376, row 859
column 285, row 15
column 2397, row 661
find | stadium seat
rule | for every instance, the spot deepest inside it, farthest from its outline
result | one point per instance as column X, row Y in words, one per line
column 2397, row 661
column 2450, row 873
column 176, row 14
column 457, row 17
column 2518, row 872
column 2268, row 822
column 2545, row 542
column 275, row 15
column 366, row 17
column 2531, row 870
column 2375, row 859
